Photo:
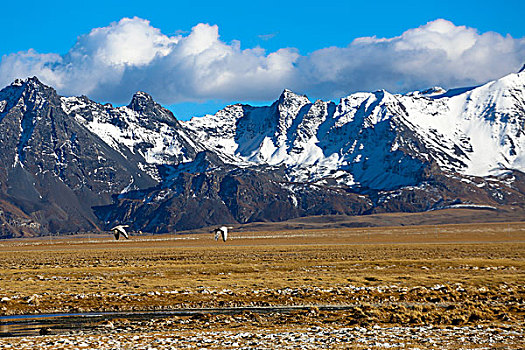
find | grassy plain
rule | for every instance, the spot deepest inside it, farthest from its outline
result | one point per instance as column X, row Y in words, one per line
column 253, row 268
column 447, row 275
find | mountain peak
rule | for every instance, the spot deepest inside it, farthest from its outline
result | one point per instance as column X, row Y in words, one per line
column 30, row 82
column 31, row 88
column 368, row 154
column 522, row 69
column 290, row 95
column 33, row 79
column 435, row 90
column 141, row 101
column 17, row 82
column 144, row 104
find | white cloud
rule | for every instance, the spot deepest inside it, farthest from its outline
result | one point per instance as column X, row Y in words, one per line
column 438, row 35
column 131, row 41
column 112, row 62
column 438, row 53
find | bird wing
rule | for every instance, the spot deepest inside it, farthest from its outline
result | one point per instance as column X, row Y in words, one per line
column 123, row 231
column 120, row 229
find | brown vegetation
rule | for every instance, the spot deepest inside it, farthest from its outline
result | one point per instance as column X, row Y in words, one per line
column 450, row 275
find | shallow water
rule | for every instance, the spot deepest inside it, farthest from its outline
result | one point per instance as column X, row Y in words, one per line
column 32, row 325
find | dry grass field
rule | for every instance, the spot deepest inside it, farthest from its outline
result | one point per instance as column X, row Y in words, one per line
column 467, row 280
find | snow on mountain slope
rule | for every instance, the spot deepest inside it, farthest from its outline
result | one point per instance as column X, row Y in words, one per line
column 143, row 127
column 315, row 141
column 52, row 168
column 370, row 152
column 483, row 128
column 378, row 139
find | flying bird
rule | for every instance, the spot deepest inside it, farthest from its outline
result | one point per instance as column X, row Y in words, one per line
column 222, row 231
column 120, row 229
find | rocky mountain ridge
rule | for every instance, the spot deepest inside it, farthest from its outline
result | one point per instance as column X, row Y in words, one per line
column 70, row 164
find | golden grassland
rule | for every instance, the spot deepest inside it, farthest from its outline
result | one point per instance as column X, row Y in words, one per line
column 478, row 267
column 446, row 276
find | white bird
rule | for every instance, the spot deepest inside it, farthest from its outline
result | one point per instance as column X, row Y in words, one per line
column 120, row 229
column 222, row 231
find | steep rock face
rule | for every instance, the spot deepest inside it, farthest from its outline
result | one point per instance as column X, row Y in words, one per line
column 196, row 195
column 143, row 130
column 208, row 192
column 70, row 164
column 363, row 141
column 379, row 140
column 479, row 131
column 143, row 103
column 53, row 168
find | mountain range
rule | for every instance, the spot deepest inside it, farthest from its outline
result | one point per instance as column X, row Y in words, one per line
column 69, row 164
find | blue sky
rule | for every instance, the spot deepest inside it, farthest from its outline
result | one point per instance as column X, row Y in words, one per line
column 299, row 34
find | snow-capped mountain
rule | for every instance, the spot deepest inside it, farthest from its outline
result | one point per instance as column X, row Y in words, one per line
column 53, row 169
column 71, row 164
column 478, row 132
column 143, row 127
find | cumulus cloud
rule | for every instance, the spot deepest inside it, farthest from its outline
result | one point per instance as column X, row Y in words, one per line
column 438, row 53
column 112, row 62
